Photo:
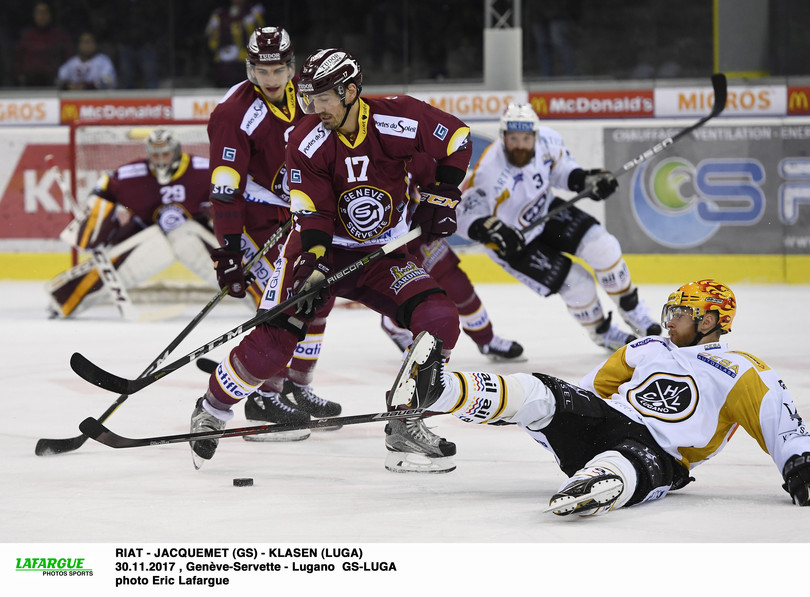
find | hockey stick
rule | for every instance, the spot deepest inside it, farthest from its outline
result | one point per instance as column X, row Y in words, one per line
column 95, row 430
column 91, row 372
column 47, row 447
column 720, row 92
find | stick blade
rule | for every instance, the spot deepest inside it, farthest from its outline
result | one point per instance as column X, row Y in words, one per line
column 719, row 84
column 97, row 376
column 52, row 447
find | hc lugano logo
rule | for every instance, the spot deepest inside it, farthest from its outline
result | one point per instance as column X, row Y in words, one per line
column 365, row 211
column 666, row 397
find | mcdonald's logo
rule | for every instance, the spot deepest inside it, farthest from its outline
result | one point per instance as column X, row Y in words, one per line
column 798, row 102
column 540, row 105
column 70, row 113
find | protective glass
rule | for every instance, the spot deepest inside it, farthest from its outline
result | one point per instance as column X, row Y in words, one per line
column 315, row 103
column 672, row 312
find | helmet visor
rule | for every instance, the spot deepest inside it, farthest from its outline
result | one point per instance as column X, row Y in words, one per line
column 315, row 103
column 673, row 312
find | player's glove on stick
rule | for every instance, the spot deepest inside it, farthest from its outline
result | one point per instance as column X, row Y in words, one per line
column 490, row 230
column 603, row 183
column 797, row 478
column 228, row 263
column 436, row 212
column 311, row 268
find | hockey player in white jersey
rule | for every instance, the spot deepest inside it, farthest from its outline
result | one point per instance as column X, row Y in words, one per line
column 511, row 187
column 638, row 423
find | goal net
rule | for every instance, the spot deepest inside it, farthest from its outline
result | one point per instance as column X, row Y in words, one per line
column 99, row 146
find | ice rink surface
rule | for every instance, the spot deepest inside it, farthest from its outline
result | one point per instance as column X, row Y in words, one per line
column 482, row 521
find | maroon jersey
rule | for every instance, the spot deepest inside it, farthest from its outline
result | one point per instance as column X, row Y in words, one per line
column 357, row 190
column 134, row 186
column 247, row 147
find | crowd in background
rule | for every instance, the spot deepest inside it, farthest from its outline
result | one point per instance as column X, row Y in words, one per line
column 145, row 44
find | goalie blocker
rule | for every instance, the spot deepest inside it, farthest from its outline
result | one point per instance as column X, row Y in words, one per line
column 136, row 259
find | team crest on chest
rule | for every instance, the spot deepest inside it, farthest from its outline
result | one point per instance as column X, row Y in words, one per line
column 404, row 275
column 665, row 397
column 365, row 211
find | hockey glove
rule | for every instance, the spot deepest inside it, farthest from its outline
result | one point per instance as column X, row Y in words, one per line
column 797, row 478
column 228, row 263
column 491, row 231
column 603, row 183
column 311, row 268
column 436, row 212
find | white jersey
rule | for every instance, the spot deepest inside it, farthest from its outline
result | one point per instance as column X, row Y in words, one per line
column 693, row 399
column 517, row 196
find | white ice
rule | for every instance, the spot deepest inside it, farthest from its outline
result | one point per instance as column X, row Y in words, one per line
column 332, row 488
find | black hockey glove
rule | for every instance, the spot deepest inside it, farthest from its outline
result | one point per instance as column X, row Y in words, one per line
column 797, row 478
column 601, row 181
column 228, row 263
column 490, row 230
column 436, row 212
column 309, row 271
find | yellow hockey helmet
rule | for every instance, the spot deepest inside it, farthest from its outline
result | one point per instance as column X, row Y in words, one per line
column 695, row 299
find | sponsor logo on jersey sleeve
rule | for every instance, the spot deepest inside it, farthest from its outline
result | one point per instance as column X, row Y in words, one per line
column 295, row 175
column 316, row 137
column 666, row 397
column 253, row 116
column 224, row 183
column 440, row 132
column 396, row 125
column 228, row 154
column 133, row 171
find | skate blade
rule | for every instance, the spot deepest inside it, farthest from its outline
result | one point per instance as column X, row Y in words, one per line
column 405, row 462
column 282, row 436
column 567, row 505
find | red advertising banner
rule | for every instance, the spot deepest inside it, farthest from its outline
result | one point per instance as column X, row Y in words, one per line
column 32, row 205
column 593, row 104
column 798, row 103
column 156, row 108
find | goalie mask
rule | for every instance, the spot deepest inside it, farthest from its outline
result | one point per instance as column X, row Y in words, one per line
column 268, row 46
column 163, row 154
column 695, row 299
column 325, row 70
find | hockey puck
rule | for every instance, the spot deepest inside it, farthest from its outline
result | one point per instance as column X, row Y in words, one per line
column 248, row 482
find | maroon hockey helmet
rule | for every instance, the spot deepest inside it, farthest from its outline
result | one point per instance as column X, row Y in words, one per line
column 270, row 45
column 328, row 69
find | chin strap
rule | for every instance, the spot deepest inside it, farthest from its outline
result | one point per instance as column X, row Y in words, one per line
column 699, row 336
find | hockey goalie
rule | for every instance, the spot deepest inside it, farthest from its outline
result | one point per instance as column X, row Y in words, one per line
column 138, row 220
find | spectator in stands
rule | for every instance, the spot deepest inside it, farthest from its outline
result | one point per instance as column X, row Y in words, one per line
column 89, row 69
column 41, row 49
column 228, row 31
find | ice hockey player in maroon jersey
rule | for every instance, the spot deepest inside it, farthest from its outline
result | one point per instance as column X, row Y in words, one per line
column 441, row 262
column 347, row 164
column 248, row 133
column 145, row 215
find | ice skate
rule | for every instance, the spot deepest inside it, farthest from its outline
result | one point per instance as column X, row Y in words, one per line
column 203, row 420
column 590, row 492
column 610, row 336
column 303, row 398
column 272, row 407
column 500, row 349
column 635, row 313
column 413, row 448
column 419, row 381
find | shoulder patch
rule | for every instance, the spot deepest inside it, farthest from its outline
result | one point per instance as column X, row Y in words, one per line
column 314, row 139
column 253, row 116
column 199, row 162
column 397, row 126
column 132, row 170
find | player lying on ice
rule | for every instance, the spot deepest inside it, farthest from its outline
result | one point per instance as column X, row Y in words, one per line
column 636, row 425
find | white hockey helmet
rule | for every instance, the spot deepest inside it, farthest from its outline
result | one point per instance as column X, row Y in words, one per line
column 519, row 118
column 163, row 154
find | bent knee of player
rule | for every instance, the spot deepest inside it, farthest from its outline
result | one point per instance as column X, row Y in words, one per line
column 533, row 406
column 437, row 315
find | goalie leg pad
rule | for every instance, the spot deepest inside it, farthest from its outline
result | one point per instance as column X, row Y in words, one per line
column 190, row 243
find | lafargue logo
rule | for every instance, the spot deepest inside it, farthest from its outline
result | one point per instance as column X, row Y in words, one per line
column 50, row 566
column 679, row 204
column 666, row 397
column 365, row 211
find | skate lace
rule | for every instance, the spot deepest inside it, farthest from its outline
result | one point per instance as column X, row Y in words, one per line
column 499, row 344
column 421, row 432
column 275, row 398
column 307, row 394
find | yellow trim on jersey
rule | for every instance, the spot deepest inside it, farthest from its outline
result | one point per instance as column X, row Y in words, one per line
column 457, row 140
column 726, row 426
column 462, row 398
column 612, row 374
column 185, row 160
column 471, row 182
column 225, row 176
column 300, row 201
column 500, row 199
column 363, row 117
column 761, row 365
column 289, row 92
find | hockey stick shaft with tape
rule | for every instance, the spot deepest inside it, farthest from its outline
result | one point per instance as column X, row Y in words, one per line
column 46, row 447
column 95, row 430
column 719, row 85
column 94, row 374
